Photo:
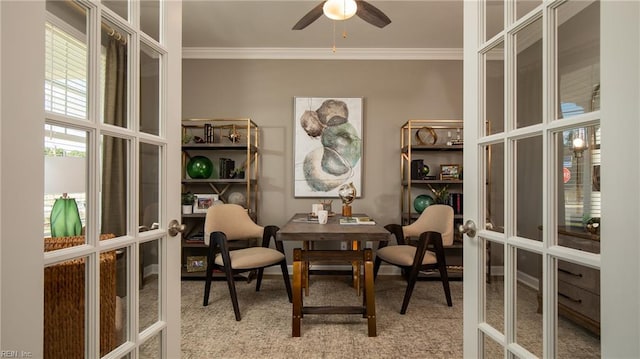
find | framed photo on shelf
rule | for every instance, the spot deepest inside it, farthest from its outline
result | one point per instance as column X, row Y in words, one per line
column 203, row 202
column 327, row 145
column 196, row 264
column 449, row 172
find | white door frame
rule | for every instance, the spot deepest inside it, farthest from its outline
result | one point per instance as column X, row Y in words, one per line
column 21, row 186
column 620, row 103
column 22, row 74
column 620, row 114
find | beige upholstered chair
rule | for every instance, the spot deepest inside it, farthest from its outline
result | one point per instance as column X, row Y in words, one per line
column 434, row 230
column 228, row 222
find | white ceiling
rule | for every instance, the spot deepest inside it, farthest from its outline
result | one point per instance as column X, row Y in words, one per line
column 257, row 25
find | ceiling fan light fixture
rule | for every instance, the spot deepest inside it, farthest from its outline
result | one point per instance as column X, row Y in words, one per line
column 339, row 9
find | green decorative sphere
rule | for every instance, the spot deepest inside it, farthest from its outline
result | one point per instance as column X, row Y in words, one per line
column 425, row 170
column 199, row 167
column 422, row 201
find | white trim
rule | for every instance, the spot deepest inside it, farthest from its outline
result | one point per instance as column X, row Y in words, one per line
column 287, row 53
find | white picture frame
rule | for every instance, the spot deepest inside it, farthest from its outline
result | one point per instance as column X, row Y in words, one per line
column 203, row 201
column 322, row 161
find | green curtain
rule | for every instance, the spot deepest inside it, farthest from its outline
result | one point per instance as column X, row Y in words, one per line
column 114, row 151
column 65, row 218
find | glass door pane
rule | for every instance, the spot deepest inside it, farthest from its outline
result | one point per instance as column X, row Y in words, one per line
column 578, row 311
column 115, row 171
column 578, row 60
column 579, row 196
column 529, row 74
column 150, row 18
column 528, row 313
column 65, row 183
column 523, row 7
column 494, row 19
column 529, row 194
column 64, row 310
column 112, row 330
column 494, row 284
column 149, row 90
column 149, row 291
column 120, row 7
column 114, row 72
column 494, row 87
column 494, row 194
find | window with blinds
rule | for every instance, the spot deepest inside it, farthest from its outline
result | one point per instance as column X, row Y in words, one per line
column 65, row 97
column 65, row 85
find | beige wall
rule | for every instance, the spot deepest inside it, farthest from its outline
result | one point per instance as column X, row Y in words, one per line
column 393, row 92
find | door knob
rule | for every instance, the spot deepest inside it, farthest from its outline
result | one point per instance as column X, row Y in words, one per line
column 469, row 227
column 175, row 227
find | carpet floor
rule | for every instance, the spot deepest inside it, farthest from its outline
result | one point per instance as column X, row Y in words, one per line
column 430, row 329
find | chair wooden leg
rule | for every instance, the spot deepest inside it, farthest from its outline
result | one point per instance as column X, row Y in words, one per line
column 208, row 277
column 287, row 281
column 259, row 279
column 207, row 287
column 411, row 283
column 376, row 267
column 232, row 291
column 445, row 284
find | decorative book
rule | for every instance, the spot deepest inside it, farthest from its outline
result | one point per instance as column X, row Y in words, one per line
column 357, row 221
column 365, row 220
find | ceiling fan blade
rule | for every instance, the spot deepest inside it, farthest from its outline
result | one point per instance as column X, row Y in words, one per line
column 372, row 14
column 310, row 17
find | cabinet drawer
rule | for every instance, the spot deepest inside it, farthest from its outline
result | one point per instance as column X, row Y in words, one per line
column 579, row 300
column 579, row 276
column 582, row 244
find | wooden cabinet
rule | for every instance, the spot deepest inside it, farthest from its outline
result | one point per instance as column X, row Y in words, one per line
column 579, row 286
column 231, row 147
column 438, row 146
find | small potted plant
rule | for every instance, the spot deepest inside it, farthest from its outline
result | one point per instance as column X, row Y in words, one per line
column 238, row 173
column 442, row 194
column 187, row 202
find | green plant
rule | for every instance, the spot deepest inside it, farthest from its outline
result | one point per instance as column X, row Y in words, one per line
column 441, row 194
column 188, row 198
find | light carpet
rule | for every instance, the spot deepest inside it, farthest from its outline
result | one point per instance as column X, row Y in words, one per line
column 430, row 329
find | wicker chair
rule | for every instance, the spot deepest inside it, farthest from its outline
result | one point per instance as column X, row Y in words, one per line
column 64, row 298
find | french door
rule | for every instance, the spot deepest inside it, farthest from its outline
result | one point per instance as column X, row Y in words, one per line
column 551, row 127
column 100, row 82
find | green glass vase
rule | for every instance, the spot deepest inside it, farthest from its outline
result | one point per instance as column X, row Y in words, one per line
column 65, row 218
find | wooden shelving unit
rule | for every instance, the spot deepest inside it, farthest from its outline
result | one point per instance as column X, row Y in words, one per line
column 236, row 139
column 442, row 146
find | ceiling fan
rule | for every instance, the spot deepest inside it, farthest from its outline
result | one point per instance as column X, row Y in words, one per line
column 343, row 10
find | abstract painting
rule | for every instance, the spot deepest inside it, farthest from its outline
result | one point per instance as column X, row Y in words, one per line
column 327, row 146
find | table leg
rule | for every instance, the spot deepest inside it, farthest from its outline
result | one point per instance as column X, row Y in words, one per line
column 305, row 269
column 355, row 245
column 369, row 292
column 297, row 292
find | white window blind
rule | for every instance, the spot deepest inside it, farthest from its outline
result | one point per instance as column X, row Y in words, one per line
column 65, row 73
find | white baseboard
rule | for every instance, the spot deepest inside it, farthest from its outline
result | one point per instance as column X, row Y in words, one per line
column 524, row 278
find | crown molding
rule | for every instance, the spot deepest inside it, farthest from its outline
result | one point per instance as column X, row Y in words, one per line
column 288, row 53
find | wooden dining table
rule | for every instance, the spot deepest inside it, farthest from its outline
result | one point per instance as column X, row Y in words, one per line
column 300, row 228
